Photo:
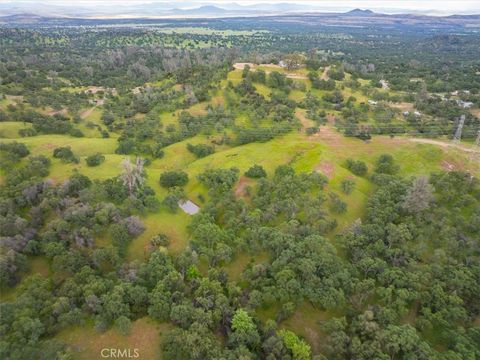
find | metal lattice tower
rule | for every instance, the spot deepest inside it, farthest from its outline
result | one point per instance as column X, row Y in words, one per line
column 458, row 134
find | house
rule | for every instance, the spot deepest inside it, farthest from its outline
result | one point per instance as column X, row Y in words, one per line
column 137, row 90
column 96, row 102
column 464, row 104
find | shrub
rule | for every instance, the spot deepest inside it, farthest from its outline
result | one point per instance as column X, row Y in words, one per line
column 76, row 133
column 65, row 154
column 219, row 178
column 171, row 202
column 95, row 160
column 357, row 167
column 284, row 171
column 15, row 150
column 134, row 226
column 76, row 183
column 27, row 132
column 256, row 172
column 347, row 186
column 173, row 178
column 124, row 325
column 108, row 118
column 201, row 150
column 299, row 348
column 337, row 206
column 386, row 165
column 159, row 240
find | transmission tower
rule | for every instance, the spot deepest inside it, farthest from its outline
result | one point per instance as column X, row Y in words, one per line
column 458, row 134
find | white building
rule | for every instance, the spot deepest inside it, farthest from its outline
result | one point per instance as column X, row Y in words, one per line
column 464, row 104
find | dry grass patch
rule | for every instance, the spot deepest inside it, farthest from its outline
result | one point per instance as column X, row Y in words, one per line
column 87, row 344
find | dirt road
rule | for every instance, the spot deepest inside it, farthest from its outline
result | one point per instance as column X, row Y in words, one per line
column 444, row 144
column 325, row 73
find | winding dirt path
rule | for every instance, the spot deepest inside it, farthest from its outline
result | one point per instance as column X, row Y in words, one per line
column 444, row 144
column 87, row 112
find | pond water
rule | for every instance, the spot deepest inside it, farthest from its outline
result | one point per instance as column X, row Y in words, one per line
column 189, row 207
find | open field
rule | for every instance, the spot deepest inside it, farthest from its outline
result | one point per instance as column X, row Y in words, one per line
column 86, row 343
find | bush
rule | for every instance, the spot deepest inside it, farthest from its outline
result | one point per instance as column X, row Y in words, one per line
column 108, row 118
column 337, row 206
column 76, row 183
column 173, row 178
column 27, row 132
column 201, row 150
column 76, row 133
column 65, row 154
column 284, row 171
column 159, row 240
column 299, row 348
column 336, row 74
column 219, row 178
column 347, row 186
column 256, row 172
column 134, row 225
column 123, row 325
column 386, row 165
column 15, row 150
column 357, row 167
column 171, row 202
column 95, row 160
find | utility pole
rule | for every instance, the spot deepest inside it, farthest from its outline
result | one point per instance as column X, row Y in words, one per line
column 458, row 134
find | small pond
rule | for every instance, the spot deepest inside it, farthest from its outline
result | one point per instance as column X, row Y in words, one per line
column 189, row 207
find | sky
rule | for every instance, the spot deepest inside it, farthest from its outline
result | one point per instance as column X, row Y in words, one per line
column 448, row 6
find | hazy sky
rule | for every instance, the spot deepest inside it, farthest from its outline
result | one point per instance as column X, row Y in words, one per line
column 451, row 6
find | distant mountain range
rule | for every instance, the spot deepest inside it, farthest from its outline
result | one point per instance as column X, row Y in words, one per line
column 213, row 16
column 183, row 9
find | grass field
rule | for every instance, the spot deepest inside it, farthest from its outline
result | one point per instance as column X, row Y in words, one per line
column 87, row 344
column 36, row 265
column 9, row 129
column 163, row 222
